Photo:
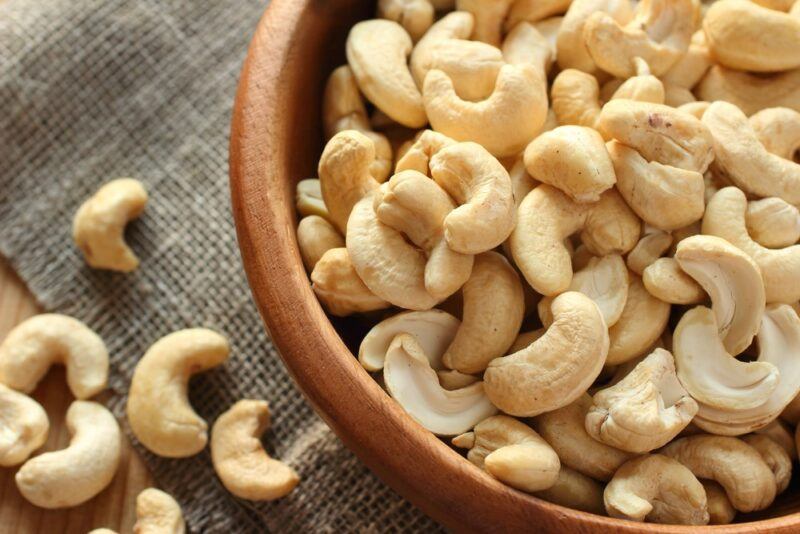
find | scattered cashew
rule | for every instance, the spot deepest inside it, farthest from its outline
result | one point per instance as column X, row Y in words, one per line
column 23, row 426
column 158, row 513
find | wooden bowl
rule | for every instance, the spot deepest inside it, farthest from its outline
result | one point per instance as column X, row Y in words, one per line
column 275, row 141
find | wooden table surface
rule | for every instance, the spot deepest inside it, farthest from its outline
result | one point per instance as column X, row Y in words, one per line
column 114, row 507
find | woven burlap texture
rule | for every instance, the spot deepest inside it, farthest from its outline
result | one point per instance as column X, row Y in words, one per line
column 96, row 89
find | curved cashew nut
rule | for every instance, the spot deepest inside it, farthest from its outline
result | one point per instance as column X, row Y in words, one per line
column 743, row 160
column 659, row 33
column 584, row 175
column 158, row 513
column 412, row 382
column 773, row 222
column 415, row 16
column 692, row 66
column 745, row 36
column 651, row 246
column 158, row 408
column 720, row 509
column 658, row 489
column 547, row 216
column 736, row 466
column 308, row 199
column 605, row 281
column 775, row 457
column 665, row 280
column 733, row 280
column 778, row 129
column 239, row 458
column 35, row 344
column 575, row 490
column 750, row 92
column 555, row 369
column 376, row 51
column 343, row 109
column 482, row 188
column 643, row 87
column 489, row 16
column 503, row 123
column 71, row 476
column 494, row 306
column 564, row 429
column 99, row 225
column 338, row 287
column 644, row 410
column 642, row 322
column 663, row 196
column 24, row 426
column 575, row 98
column 780, row 268
column 315, row 237
column 512, row 452
column 572, row 52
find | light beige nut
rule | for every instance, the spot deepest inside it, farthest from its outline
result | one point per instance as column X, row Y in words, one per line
column 720, row 509
column 315, row 237
column 451, row 380
column 643, row 87
column 338, row 287
column 663, row 196
column 239, row 458
column 657, row 489
column 158, row 408
column 503, row 123
column 572, row 52
column 665, row 280
column 494, row 306
column 34, row 345
column 24, row 426
column 775, row 457
column 742, row 159
column 376, row 51
column 651, row 246
column 659, row 33
column 525, row 45
column 779, row 432
column 772, row 222
column 547, row 216
column 734, row 283
column 735, row 465
column 778, row 129
column 745, row 36
column 659, row 133
column 413, row 383
column 751, row 92
column 575, row 97
column 692, row 66
column 308, row 199
column 641, row 324
column 512, row 452
column 158, row 513
column 604, row 280
column 564, row 429
column 780, row 268
column 534, row 11
column 415, row 16
column 555, row 369
column 419, row 154
column 489, row 16
column 644, row 410
column 75, row 474
column 481, row 188
column 575, row 490
column 415, row 205
column 574, row 159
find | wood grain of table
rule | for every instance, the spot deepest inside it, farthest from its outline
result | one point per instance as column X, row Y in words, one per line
column 114, row 507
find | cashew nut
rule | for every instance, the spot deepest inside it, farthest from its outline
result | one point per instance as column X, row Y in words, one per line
column 308, row 199
column 415, row 16
column 572, row 52
column 315, row 237
column 692, row 66
column 575, row 490
column 651, row 246
column 644, row 410
column 555, row 369
column 778, row 432
column 99, row 225
column 775, row 457
column 71, row 476
column 773, row 222
column 239, row 458
column 512, row 452
column 658, row 489
column 158, row 408
column 751, row 92
column 23, row 426
column 338, row 287
column 778, row 129
column 665, row 280
column 419, row 154
column 643, row 87
column 35, row 344
column 158, row 513
column 720, row 509
column 526, row 45
column 575, row 97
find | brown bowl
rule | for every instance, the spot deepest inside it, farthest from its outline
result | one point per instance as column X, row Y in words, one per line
column 276, row 140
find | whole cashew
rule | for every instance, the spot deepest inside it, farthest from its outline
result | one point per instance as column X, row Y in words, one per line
column 158, row 513
column 315, row 237
column 338, row 287
column 239, row 458
column 73, row 475
column 778, row 129
column 572, row 52
column 750, row 92
column 651, row 246
column 415, row 16
column 643, row 87
column 575, row 490
column 158, row 409
column 773, row 222
column 99, row 225
column 35, row 344
column 575, row 97
column 665, row 280
column 23, row 426
column 308, row 199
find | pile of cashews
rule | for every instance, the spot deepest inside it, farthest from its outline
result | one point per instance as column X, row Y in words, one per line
column 573, row 225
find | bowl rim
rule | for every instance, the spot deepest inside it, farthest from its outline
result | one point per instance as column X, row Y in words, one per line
column 301, row 331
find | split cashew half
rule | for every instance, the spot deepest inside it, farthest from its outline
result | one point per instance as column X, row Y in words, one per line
column 239, row 458
column 158, row 513
column 37, row 343
column 23, row 426
column 99, row 225
column 71, row 476
column 158, row 408
column 338, row 287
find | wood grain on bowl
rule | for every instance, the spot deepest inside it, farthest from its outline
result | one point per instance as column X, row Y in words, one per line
column 276, row 140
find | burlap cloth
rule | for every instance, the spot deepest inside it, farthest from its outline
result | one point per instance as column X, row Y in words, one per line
column 96, row 89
